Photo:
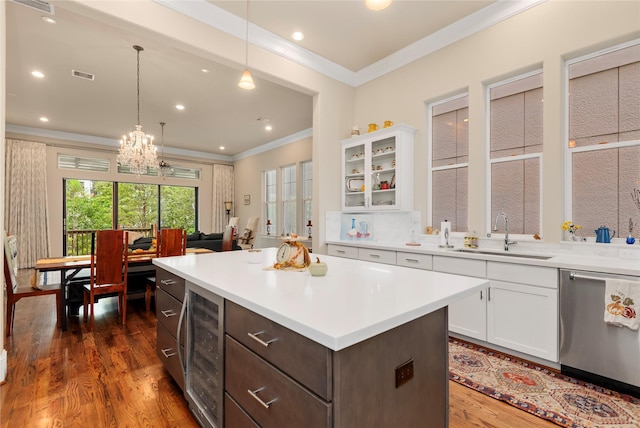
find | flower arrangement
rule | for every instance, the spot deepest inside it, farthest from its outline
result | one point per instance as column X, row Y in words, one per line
column 571, row 228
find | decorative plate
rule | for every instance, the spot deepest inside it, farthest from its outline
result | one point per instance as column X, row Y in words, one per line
column 355, row 184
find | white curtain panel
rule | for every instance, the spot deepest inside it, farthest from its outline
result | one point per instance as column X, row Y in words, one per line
column 222, row 191
column 26, row 215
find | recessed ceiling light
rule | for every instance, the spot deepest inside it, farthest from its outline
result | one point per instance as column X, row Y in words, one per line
column 179, row 107
column 38, row 74
column 268, row 127
column 297, row 35
column 221, row 147
column 44, row 119
column 48, row 20
column 204, row 70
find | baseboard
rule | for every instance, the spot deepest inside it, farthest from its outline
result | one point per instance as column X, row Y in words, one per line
column 3, row 366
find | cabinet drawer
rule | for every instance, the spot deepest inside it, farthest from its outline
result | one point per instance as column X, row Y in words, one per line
column 235, row 416
column 459, row 266
column 167, row 311
column 277, row 401
column 167, row 352
column 343, row 251
column 170, row 283
column 523, row 274
column 378, row 256
column 303, row 359
column 414, row 260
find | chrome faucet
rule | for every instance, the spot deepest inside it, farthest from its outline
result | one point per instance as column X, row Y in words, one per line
column 506, row 230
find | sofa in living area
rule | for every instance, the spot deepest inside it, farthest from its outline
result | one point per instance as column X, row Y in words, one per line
column 211, row 241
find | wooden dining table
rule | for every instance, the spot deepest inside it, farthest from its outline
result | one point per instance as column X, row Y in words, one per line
column 70, row 267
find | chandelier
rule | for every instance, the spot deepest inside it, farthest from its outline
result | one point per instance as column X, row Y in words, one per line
column 163, row 167
column 137, row 149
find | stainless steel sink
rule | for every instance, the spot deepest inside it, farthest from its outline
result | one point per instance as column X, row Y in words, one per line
column 503, row 253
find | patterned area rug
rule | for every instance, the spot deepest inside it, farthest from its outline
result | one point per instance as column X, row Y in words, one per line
column 545, row 393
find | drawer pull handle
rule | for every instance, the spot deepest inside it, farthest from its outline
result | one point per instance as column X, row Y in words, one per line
column 168, row 313
column 254, row 394
column 167, row 281
column 169, row 352
column 340, row 251
column 480, row 294
column 255, row 337
column 412, row 260
column 374, row 256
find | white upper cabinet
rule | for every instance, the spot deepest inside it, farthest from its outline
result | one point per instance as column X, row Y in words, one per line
column 377, row 170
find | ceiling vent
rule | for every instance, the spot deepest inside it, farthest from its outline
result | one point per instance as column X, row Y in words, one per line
column 39, row 5
column 82, row 75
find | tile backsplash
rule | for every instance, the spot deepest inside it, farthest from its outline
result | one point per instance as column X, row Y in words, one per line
column 398, row 226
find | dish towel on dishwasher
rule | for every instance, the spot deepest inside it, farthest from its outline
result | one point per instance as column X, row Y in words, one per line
column 622, row 303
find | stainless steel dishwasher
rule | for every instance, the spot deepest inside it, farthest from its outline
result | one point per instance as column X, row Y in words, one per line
column 590, row 349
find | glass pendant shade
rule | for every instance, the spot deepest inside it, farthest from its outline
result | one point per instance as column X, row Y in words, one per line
column 246, row 81
column 378, row 4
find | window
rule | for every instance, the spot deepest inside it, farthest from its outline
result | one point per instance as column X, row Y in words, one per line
column 604, row 140
column 174, row 172
column 178, row 207
column 96, row 205
column 449, row 140
column 137, row 205
column 515, row 152
column 289, row 199
column 307, row 191
column 270, row 199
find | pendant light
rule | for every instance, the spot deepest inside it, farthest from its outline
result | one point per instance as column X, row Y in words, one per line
column 377, row 5
column 246, row 81
column 137, row 149
column 163, row 167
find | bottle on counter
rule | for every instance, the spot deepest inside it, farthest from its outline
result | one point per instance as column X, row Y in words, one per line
column 474, row 240
column 467, row 240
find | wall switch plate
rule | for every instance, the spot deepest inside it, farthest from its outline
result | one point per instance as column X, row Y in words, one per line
column 404, row 372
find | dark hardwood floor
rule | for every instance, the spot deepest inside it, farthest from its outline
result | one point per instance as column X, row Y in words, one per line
column 112, row 377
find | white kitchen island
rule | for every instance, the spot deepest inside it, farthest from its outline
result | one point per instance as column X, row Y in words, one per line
column 365, row 345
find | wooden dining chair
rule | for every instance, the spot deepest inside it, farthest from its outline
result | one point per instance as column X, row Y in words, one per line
column 109, row 271
column 169, row 242
column 227, row 239
column 16, row 292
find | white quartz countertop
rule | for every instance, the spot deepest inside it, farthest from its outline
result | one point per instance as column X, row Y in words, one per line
column 356, row 300
column 596, row 258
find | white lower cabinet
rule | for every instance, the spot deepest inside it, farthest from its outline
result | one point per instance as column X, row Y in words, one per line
column 469, row 315
column 519, row 310
column 524, row 318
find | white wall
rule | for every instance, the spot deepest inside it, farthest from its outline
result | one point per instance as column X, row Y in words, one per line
column 544, row 35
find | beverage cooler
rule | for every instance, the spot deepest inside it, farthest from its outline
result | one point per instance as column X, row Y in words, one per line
column 203, row 313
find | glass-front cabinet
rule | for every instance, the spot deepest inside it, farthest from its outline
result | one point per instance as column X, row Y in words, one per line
column 377, row 170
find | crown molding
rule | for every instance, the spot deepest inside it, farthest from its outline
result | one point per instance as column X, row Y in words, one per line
column 234, row 25
column 101, row 141
column 275, row 144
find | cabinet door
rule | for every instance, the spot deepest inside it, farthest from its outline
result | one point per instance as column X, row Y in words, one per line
column 356, row 161
column 469, row 316
column 523, row 318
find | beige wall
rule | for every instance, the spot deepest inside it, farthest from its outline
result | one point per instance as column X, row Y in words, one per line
column 3, row 56
column 543, row 36
column 248, row 177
